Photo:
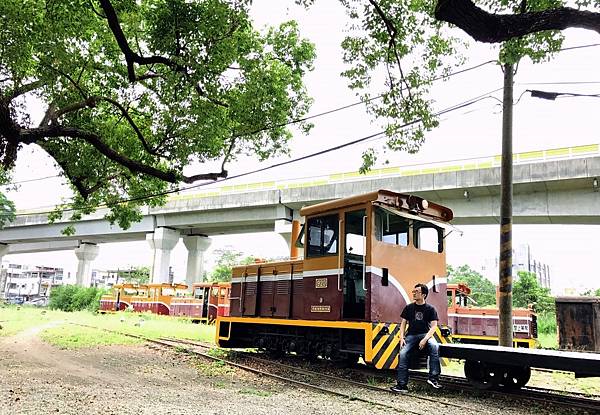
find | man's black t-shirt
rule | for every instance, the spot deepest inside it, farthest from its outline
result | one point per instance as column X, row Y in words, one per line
column 419, row 317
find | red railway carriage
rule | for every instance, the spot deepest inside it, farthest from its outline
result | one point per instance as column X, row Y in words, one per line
column 211, row 300
column 480, row 325
column 363, row 256
column 208, row 301
column 120, row 298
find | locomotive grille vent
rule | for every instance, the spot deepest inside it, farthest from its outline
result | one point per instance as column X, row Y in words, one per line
column 266, row 288
column 250, row 288
column 283, row 288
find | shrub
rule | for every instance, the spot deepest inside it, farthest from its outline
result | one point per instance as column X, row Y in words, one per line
column 546, row 323
column 74, row 298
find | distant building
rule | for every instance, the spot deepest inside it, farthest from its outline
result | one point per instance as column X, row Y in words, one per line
column 18, row 280
column 523, row 260
column 105, row 278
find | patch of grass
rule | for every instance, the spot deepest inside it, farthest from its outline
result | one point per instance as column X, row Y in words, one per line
column 68, row 336
column 149, row 325
column 216, row 368
column 218, row 353
column 372, row 381
column 548, row 340
column 15, row 319
column 256, row 392
column 181, row 349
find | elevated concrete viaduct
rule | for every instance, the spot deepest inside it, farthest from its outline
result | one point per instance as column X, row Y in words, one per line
column 563, row 191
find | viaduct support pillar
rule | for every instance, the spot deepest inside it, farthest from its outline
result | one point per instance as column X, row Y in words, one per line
column 162, row 241
column 86, row 253
column 3, row 278
column 196, row 246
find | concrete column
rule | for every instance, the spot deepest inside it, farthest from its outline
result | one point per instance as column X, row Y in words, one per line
column 284, row 228
column 196, row 246
column 86, row 253
column 3, row 276
column 162, row 241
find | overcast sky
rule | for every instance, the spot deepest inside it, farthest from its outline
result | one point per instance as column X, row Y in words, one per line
column 470, row 132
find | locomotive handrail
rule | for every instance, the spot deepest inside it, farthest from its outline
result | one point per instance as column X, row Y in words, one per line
column 364, row 264
column 339, row 277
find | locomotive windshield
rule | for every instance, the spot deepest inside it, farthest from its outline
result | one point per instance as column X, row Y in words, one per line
column 391, row 227
column 322, row 235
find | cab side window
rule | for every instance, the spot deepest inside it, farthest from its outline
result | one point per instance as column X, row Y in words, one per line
column 428, row 237
column 390, row 228
column 322, row 235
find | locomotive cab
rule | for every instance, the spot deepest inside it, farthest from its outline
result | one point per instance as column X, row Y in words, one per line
column 363, row 255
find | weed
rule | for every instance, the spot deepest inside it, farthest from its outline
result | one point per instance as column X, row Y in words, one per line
column 216, row 368
column 371, row 381
column 219, row 353
column 255, row 392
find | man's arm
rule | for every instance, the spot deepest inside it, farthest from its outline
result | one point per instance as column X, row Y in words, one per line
column 402, row 331
column 429, row 335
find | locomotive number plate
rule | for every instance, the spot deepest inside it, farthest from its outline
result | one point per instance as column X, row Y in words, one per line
column 521, row 328
column 320, row 308
column 321, row 283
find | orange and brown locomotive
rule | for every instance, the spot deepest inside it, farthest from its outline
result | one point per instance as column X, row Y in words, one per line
column 362, row 257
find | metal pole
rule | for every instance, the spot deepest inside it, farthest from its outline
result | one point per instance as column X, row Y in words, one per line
column 505, row 329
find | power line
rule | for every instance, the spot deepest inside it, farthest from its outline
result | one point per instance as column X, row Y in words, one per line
column 334, row 110
column 318, row 153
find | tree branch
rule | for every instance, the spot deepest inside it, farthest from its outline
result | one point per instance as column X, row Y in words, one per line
column 23, row 89
column 131, row 57
column 391, row 29
column 495, row 28
column 30, row 136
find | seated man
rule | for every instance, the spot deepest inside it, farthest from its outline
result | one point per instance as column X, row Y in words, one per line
column 422, row 321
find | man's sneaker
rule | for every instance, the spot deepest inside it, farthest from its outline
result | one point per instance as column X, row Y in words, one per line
column 399, row 389
column 434, row 383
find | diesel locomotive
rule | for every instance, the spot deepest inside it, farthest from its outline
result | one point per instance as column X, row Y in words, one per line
column 362, row 257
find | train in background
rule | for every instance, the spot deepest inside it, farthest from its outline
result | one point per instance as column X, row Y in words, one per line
column 206, row 303
column 479, row 325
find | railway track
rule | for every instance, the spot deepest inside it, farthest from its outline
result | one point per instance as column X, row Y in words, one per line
column 541, row 395
column 354, row 390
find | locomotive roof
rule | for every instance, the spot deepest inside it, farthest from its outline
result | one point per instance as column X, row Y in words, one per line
column 400, row 201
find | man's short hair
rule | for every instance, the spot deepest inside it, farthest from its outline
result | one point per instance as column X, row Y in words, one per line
column 424, row 289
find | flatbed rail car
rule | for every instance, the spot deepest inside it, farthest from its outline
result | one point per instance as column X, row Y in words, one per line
column 479, row 325
column 362, row 256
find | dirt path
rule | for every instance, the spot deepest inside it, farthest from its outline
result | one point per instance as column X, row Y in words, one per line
column 36, row 378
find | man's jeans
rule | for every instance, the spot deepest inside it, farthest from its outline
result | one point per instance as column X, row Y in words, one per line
column 412, row 346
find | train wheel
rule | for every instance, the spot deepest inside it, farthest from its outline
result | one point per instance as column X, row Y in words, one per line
column 480, row 375
column 515, row 377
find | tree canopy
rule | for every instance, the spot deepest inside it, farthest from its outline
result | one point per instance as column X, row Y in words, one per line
column 136, row 94
column 527, row 291
column 227, row 259
column 482, row 289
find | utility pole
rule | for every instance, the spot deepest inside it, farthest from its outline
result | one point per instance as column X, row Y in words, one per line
column 505, row 328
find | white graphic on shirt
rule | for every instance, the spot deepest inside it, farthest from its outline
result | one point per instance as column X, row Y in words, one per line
column 419, row 315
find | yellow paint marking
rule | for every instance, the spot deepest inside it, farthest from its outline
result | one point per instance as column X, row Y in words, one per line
column 391, row 348
column 377, row 329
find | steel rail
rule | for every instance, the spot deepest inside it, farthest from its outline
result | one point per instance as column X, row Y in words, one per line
column 167, row 343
